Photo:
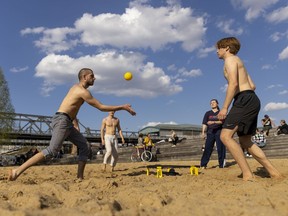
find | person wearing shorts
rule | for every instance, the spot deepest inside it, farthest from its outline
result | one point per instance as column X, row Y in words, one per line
column 244, row 113
column 242, row 118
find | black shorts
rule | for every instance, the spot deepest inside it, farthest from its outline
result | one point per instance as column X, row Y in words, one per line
column 244, row 113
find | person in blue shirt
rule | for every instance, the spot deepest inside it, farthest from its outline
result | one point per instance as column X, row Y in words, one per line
column 211, row 129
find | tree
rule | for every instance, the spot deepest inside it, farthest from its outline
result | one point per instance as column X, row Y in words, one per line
column 5, row 102
column 6, row 125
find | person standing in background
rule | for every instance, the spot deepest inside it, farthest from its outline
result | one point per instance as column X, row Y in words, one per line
column 211, row 129
column 109, row 138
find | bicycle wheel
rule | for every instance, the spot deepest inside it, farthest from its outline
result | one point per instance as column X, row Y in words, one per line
column 146, row 156
column 135, row 157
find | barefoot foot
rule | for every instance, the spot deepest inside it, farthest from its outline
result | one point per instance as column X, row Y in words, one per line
column 104, row 168
column 12, row 175
column 277, row 176
column 250, row 178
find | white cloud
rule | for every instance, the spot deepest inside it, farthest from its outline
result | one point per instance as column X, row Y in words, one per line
column 172, row 67
column 47, row 88
column 226, row 27
column 54, row 40
column 283, row 92
column 278, row 36
column 37, row 30
column 268, row 67
column 136, row 28
column 183, row 73
column 275, row 106
column 170, row 102
column 203, row 52
column 191, row 73
column 284, row 54
column 152, row 124
column 278, row 15
column 109, row 67
column 254, row 8
column 19, row 69
column 180, row 80
column 224, row 88
column 274, row 86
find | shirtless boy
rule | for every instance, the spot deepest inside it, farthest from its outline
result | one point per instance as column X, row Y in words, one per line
column 109, row 139
column 242, row 117
column 63, row 127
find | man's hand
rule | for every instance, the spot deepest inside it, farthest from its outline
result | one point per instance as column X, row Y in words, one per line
column 222, row 114
column 210, row 122
column 128, row 108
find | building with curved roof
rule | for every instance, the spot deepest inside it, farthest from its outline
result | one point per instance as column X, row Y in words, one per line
column 164, row 130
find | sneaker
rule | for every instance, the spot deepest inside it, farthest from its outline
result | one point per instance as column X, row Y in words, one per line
column 224, row 164
column 248, row 155
column 203, row 148
column 202, row 168
column 173, row 146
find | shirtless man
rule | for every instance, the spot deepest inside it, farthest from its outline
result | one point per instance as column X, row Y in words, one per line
column 109, row 139
column 243, row 115
column 63, row 127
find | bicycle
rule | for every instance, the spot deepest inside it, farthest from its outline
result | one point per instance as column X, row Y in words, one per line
column 137, row 154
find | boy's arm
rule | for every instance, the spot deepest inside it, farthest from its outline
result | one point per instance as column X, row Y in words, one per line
column 231, row 68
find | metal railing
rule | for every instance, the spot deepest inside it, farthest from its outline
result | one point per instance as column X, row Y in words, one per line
column 18, row 126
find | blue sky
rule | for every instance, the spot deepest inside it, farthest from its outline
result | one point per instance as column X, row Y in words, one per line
column 167, row 45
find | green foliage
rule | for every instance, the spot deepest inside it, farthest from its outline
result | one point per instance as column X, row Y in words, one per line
column 5, row 102
column 6, row 125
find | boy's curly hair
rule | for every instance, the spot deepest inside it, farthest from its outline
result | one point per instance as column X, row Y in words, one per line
column 231, row 42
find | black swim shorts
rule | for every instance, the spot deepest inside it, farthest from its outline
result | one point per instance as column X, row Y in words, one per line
column 244, row 113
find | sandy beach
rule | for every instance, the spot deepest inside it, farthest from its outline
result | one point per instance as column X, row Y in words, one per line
column 54, row 190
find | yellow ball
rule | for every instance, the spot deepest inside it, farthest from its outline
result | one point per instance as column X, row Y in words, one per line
column 128, row 76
